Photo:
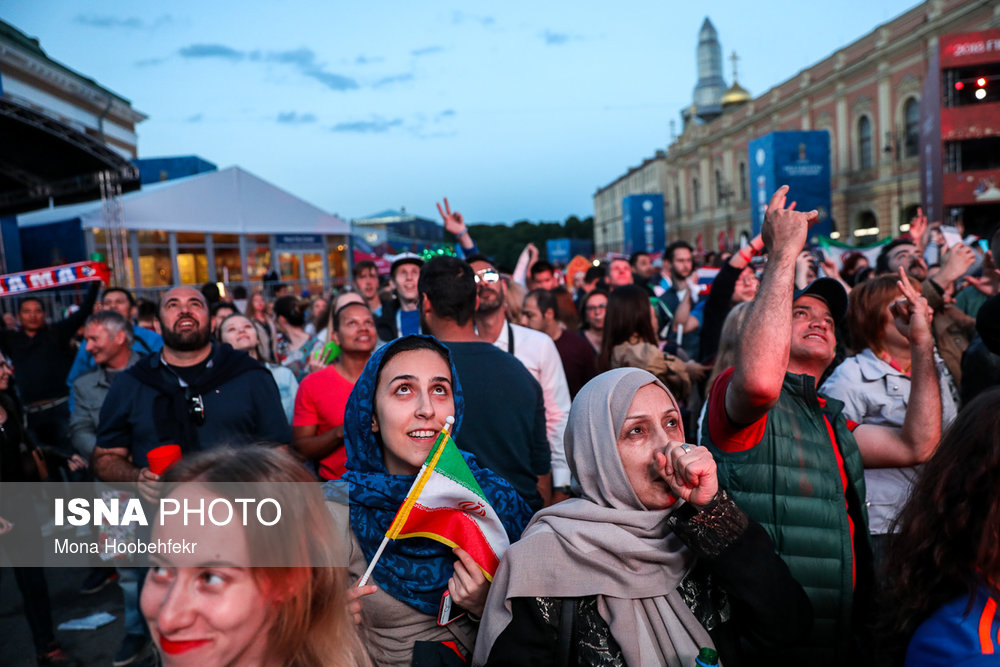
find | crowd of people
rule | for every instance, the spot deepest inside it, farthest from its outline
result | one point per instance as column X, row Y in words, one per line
column 796, row 464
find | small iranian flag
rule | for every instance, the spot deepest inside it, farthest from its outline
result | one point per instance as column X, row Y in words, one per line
column 446, row 504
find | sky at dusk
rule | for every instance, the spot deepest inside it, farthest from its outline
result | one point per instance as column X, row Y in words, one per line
column 513, row 110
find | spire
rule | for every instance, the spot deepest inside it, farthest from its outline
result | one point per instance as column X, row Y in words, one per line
column 711, row 86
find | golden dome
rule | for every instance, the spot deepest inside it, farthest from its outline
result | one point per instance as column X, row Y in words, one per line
column 736, row 95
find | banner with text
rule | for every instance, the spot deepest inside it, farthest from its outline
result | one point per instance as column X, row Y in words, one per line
column 264, row 524
column 53, row 276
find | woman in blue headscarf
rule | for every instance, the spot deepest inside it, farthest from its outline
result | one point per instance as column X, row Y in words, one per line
column 393, row 416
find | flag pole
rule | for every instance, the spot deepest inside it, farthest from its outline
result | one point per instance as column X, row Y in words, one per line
column 442, row 437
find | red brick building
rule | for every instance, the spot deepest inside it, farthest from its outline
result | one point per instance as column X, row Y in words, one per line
column 867, row 95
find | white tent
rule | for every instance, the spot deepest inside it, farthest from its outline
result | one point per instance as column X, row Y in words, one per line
column 229, row 201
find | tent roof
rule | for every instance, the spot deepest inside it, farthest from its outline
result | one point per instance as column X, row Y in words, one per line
column 229, row 201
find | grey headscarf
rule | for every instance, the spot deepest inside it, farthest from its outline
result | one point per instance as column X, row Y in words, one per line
column 605, row 544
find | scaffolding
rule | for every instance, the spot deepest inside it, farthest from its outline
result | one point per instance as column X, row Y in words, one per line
column 115, row 234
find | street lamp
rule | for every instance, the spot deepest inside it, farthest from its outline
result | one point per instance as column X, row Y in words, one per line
column 893, row 145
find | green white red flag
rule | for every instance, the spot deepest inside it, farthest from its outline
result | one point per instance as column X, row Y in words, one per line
column 447, row 504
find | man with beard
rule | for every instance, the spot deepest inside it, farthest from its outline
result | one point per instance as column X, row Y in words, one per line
column 195, row 393
column 953, row 329
column 318, row 424
column 679, row 255
column 538, row 354
column 504, row 412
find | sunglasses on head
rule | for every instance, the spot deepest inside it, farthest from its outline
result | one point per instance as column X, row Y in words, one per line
column 196, row 410
column 488, row 276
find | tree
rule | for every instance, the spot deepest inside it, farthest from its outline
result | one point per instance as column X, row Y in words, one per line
column 503, row 243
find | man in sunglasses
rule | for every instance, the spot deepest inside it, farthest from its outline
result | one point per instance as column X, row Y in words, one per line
column 538, row 354
column 196, row 393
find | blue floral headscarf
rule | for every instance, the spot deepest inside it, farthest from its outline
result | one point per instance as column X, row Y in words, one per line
column 414, row 570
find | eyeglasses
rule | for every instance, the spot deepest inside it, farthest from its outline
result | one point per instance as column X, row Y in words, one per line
column 489, row 276
column 597, row 307
column 196, row 410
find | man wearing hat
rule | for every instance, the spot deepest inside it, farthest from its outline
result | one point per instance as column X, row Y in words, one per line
column 791, row 459
column 400, row 317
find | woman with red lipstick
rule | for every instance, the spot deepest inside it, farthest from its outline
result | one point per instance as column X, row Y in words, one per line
column 225, row 611
column 393, row 416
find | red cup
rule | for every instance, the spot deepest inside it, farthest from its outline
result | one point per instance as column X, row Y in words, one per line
column 163, row 457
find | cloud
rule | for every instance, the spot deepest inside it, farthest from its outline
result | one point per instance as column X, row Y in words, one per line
column 302, row 59
column 332, row 81
column 104, row 21
column 555, row 38
column 365, row 60
column 447, row 113
column 376, row 125
column 294, row 118
column 211, row 51
column 299, row 57
column 149, row 62
column 426, row 51
column 131, row 23
column 395, row 78
column 458, row 18
column 197, row 118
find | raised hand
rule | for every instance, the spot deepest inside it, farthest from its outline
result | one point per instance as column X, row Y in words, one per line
column 784, row 227
column 911, row 314
column 453, row 222
column 918, row 227
column 690, row 472
column 956, row 261
column 983, row 284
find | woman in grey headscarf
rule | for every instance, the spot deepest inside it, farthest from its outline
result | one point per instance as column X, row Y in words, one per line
column 611, row 578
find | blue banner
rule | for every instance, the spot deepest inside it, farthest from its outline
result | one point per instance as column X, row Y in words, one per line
column 642, row 216
column 800, row 160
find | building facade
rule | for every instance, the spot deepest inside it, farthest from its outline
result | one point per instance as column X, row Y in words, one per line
column 398, row 231
column 30, row 77
column 866, row 95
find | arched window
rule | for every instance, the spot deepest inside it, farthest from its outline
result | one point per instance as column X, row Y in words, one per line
column 695, row 198
column 864, row 143
column 911, row 123
column 720, row 195
column 744, row 191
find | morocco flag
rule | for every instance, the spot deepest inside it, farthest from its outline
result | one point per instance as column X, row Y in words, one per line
column 446, row 504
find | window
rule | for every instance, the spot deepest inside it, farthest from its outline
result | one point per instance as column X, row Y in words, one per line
column 155, row 266
column 694, row 197
column 744, row 190
column 911, row 123
column 720, row 195
column 677, row 200
column 864, row 143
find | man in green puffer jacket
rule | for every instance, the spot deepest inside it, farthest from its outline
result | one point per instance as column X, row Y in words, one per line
column 789, row 457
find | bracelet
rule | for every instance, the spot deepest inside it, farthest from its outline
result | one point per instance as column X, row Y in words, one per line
column 745, row 257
